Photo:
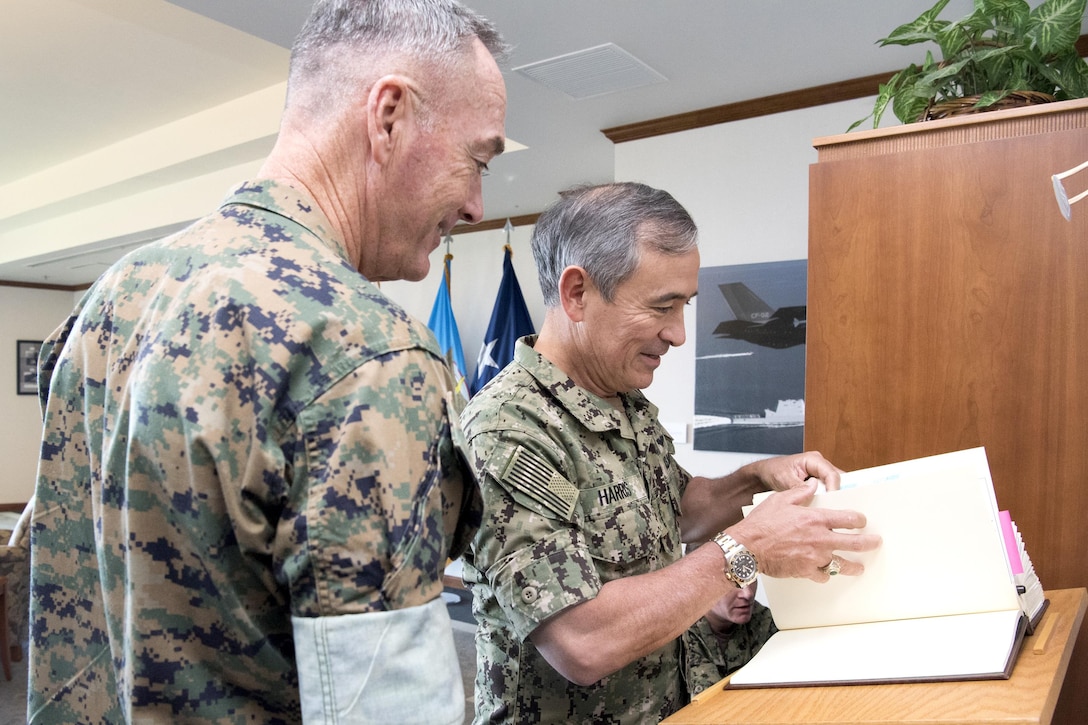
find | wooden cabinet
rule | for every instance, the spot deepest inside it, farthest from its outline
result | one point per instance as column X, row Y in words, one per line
column 948, row 308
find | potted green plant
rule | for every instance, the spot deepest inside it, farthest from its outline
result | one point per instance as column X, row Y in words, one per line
column 1003, row 54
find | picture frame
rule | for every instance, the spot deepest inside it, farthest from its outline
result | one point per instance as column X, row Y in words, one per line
column 26, row 366
column 750, row 344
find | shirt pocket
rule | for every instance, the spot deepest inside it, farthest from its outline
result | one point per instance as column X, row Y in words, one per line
column 619, row 535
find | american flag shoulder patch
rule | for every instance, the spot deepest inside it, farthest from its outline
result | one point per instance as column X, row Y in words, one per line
column 536, row 478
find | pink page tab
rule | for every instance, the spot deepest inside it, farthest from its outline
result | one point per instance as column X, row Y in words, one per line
column 1011, row 548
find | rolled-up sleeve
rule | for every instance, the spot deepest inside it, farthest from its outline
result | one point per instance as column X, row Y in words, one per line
column 396, row 668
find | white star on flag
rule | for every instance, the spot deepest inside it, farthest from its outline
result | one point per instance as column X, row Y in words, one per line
column 485, row 360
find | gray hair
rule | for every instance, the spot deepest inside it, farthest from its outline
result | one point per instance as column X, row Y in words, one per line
column 603, row 230
column 334, row 56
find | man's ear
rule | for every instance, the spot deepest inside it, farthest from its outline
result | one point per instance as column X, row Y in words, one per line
column 574, row 284
column 388, row 110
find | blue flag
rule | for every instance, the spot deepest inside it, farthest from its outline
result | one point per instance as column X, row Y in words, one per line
column 509, row 321
column 444, row 326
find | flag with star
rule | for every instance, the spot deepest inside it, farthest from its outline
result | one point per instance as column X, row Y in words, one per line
column 444, row 326
column 509, row 321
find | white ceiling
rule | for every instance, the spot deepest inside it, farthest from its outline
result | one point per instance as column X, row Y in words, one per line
column 107, row 103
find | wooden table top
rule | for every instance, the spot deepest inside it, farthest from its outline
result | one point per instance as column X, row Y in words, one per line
column 1028, row 696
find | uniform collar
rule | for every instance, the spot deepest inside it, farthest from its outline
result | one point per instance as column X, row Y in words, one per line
column 591, row 410
column 287, row 201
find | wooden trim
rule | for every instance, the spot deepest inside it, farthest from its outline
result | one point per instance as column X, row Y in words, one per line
column 37, row 285
column 778, row 103
column 489, row 224
column 14, row 507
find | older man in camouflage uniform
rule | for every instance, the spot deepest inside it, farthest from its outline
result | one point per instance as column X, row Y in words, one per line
column 249, row 481
column 580, row 588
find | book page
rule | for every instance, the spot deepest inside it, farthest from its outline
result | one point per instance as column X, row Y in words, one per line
column 973, row 646
column 942, row 553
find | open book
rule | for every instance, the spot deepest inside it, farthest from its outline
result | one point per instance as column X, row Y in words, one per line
column 937, row 601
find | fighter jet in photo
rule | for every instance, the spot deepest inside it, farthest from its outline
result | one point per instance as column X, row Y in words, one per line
column 757, row 323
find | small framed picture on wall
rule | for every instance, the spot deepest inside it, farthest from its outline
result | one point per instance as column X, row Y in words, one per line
column 26, row 366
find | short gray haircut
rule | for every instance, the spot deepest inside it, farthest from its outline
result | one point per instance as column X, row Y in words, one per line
column 603, row 230
column 335, row 55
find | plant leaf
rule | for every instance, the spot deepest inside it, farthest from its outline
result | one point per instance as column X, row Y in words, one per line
column 1069, row 76
column 989, row 98
column 884, row 94
column 1055, row 25
column 920, row 30
column 942, row 72
column 1010, row 16
column 909, row 105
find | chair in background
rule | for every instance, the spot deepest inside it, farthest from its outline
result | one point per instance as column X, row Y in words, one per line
column 15, row 592
column 5, row 652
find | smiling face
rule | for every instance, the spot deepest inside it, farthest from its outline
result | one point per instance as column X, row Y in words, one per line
column 621, row 341
column 434, row 181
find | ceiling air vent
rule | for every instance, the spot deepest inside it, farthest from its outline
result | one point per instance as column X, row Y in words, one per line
column 592, row 72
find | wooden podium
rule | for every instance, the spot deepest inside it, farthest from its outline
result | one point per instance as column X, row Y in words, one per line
column 1028, row 696
column 948, row 309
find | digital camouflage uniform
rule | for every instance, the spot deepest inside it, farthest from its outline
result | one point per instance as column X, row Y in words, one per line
column 575, row 495
column 710, row 657
column 239, row 428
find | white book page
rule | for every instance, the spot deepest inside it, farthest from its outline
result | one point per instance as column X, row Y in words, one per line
column 942, row 551
column 958, row 647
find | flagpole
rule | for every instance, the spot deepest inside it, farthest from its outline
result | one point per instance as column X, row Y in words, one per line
column 446, row 263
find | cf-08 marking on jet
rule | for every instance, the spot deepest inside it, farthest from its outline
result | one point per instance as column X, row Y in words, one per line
column 757, row 323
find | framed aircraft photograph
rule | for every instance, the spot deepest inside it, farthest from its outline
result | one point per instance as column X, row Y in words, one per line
column 750, row 358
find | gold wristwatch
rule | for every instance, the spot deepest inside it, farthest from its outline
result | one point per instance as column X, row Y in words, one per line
column 741, row 566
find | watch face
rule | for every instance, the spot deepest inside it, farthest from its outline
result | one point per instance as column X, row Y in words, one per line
column 744, row 566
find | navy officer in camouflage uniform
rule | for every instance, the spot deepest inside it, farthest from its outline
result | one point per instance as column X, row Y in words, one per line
column 580, row 589
column 250, row 480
